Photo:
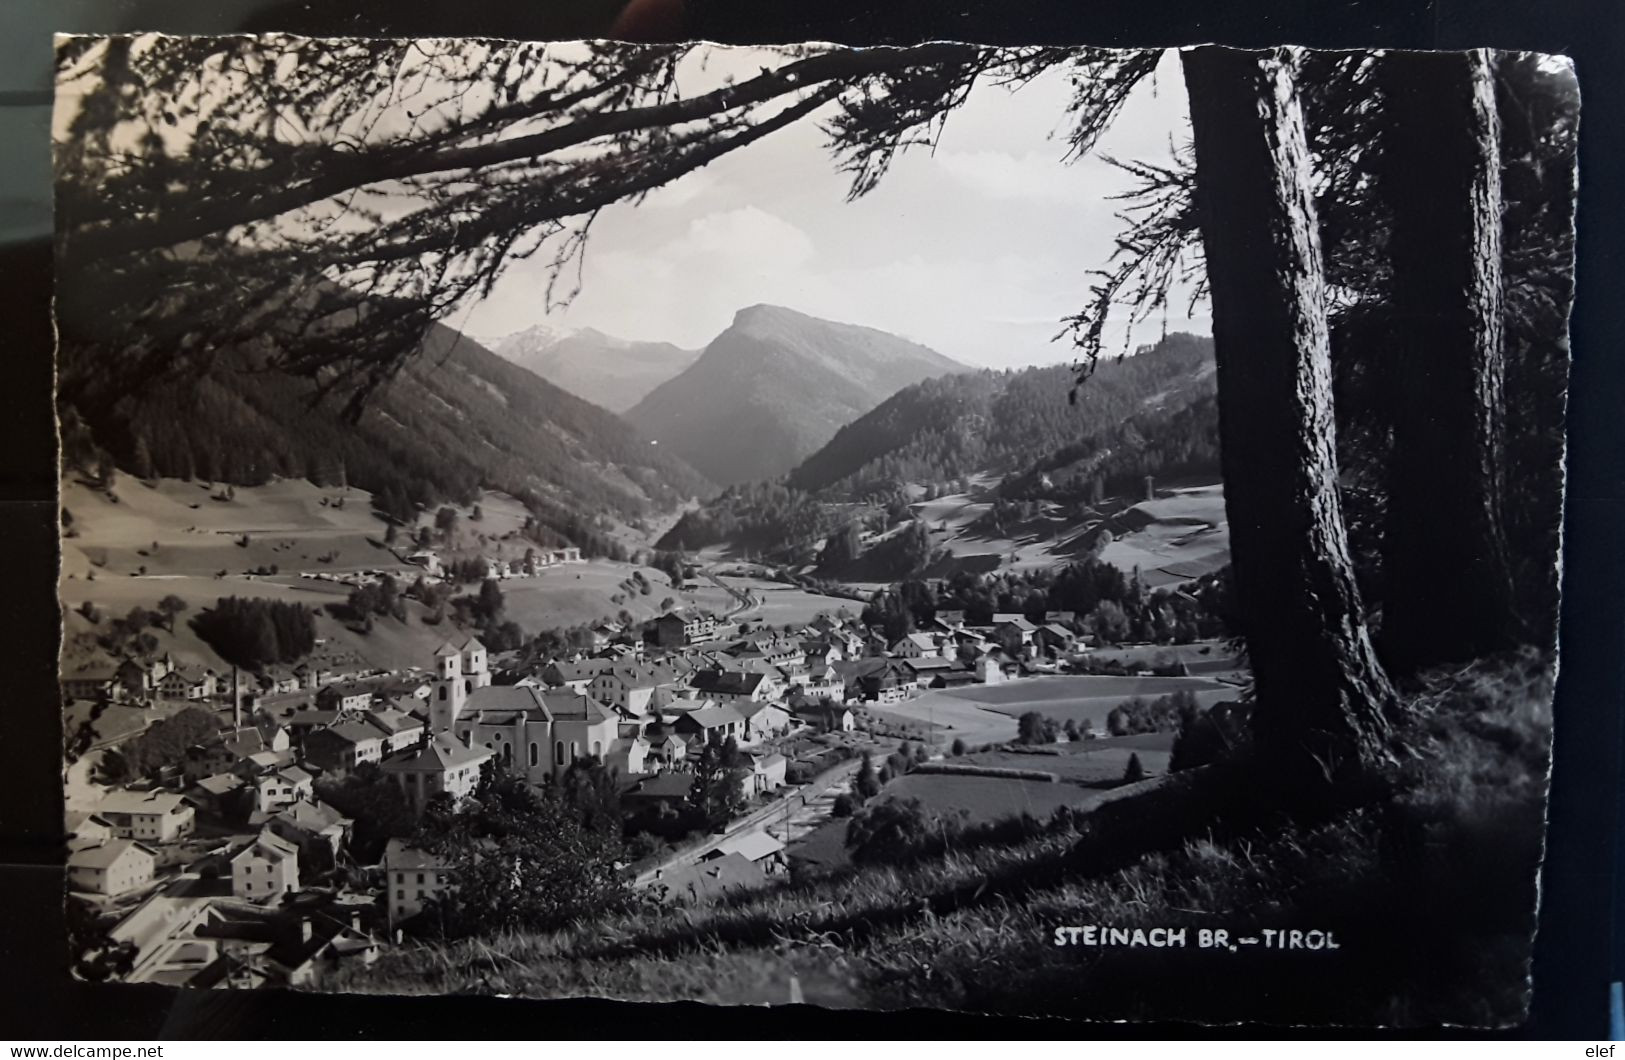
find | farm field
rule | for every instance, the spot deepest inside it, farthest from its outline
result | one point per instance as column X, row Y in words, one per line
column 1183, row 535
column 982, row 799
column 295, row 526
column 779, row 604
column 1086, row 762
column 579, row 593
column 287, row 522
column 952, row 717
column 1180, row 535
column 1033, row 690
column 1197, row 652
column 1209, row 659
column 1084, row 698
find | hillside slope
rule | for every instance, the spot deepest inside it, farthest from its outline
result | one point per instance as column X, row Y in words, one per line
column 945, row 429
column 610, row 372
column 774, row 387
column 456, row 419
column 999, row 467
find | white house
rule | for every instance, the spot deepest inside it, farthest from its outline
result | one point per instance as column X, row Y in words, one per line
column 150, row 816
column 112, row 867
column 411, row 878
column 441, row 765
column 273, row 791
column 915, row 646
column 265, row 869
column 632, row 687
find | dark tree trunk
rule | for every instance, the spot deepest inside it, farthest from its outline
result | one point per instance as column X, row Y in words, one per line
column 1323, row 699
column 1447, row 585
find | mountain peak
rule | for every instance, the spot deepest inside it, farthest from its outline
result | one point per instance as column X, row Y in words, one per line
column 783, row 380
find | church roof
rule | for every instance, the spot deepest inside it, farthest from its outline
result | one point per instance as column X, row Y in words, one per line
column 445, row 650
column 473, row 644
column 573, row 706
column 525, row 698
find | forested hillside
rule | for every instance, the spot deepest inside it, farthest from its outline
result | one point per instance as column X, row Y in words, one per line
column 455, row 420
column 1150, row 414
column 943, row 429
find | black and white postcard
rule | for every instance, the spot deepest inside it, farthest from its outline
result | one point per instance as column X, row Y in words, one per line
column 1019, row 530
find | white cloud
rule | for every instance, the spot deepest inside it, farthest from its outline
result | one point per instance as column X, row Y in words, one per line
column 750, row 232
column 978, row 250
column 1001, row 175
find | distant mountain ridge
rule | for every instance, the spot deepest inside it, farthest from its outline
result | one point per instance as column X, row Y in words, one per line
column 1154, row 413
column 454, row 420
column 1009, row 421
column 774, row 387
column 610, row 372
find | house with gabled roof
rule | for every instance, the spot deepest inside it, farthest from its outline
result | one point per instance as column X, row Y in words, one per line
column 440, row 765
column 94, row 679
column 266, row 869
column 316, row 829
column 670, row 749
column 630, row 756
column 915, row 646
column 733, row 686
column 148, row 816
column 712, row 724
column 669, row 788
column 767, row 772
column 1054, row 637
column 413, row 877
column 398, row 729
column 111, row 867
column 824, row 715
column 675, row 629
column 1016, row 626
column 632, row 686
column 575, row 676
column 343, row 747
column 763, row 721
column 274, row 790
column 225, row 751
column 346, row 697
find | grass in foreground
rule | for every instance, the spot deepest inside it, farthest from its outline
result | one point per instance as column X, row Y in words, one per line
column 1429, row 888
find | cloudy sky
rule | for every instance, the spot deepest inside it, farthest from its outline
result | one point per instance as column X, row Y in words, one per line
column 977, row 250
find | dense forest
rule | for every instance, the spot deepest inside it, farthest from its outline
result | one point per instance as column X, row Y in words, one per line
column 1166, row 442
column 254, row 633
column 944, row 429
column 455, row 420
column 756, row 517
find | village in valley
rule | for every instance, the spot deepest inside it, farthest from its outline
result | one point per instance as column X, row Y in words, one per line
column 248, row 827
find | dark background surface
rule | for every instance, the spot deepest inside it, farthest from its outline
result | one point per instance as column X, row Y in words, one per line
column 1582, row 932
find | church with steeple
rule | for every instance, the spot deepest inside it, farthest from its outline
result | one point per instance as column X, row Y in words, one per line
column 459, row 672
column 532, row 732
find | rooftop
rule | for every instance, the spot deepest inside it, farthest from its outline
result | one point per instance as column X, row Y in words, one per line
column 102, row 855
column 438, row 755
